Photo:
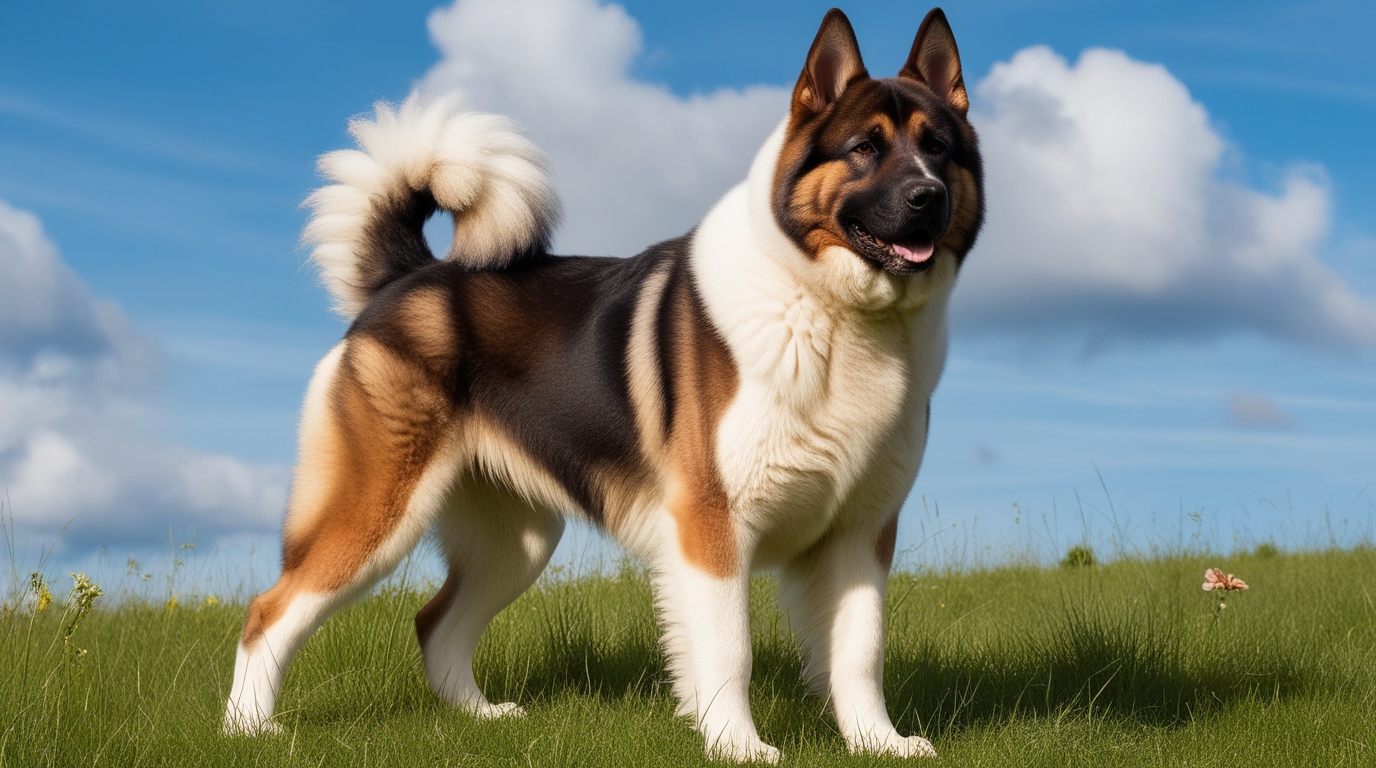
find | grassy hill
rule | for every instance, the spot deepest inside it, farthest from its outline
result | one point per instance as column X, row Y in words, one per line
column 1124, row 664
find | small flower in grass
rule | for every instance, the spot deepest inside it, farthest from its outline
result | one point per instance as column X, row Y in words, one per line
column 79, row 603
column 1214, row 579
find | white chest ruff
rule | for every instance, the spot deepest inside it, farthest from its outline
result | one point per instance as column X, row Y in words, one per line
column 825, row 390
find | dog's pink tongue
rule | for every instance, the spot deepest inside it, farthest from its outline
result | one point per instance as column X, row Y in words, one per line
column 918, row 254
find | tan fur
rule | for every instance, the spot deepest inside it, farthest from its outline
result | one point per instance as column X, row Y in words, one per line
column 706, row 382
column 373, row 443
column 814, row 202
column 265, row 610
column 964, row 209
column 642, row 363
column 626, row 496
column 425, row 317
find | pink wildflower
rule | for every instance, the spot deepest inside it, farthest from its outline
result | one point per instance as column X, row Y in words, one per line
column 1214, row 579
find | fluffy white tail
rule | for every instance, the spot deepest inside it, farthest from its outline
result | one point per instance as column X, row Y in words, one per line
column 365, row 228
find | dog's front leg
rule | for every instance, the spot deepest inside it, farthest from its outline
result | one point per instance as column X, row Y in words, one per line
column 705, row 613
column 835, row 597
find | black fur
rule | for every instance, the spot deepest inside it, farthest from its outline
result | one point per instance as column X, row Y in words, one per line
column 541, row 351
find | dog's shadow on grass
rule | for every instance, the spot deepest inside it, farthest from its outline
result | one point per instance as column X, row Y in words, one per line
column 1089, row 664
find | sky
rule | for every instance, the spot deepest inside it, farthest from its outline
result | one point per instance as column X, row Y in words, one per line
column 1166, row 332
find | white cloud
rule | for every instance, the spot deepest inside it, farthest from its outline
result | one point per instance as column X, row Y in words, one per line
column 75, row 387
column 634, row 162
column 1108, row 217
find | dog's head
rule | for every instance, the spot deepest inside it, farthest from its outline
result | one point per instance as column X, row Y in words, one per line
column 887, row 169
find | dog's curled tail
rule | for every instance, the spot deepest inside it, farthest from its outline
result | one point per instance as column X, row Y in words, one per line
column 366, row 227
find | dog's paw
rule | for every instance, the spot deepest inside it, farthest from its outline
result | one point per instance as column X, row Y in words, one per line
column 486, row 711
column 251, row 726
column 744, row 751
column 896, row 746
column 913, row 746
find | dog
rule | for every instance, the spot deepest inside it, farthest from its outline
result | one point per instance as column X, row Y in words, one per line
column 752, row 395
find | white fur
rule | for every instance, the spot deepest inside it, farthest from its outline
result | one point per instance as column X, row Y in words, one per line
column 496, row 544
column 837, row 362
column 258, row 670
column 478, row 166
column 706, row 623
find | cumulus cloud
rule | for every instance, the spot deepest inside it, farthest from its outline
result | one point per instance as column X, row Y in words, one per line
column 1108, row 216
column 634, row 162
column 75, row 389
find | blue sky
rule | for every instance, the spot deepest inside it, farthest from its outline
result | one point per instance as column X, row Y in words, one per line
column 164, row 149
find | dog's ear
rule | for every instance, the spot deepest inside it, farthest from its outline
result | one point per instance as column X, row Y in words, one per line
column 935, row 62
column 832, row 63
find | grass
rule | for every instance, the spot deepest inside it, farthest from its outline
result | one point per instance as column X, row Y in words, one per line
column 1124, row 664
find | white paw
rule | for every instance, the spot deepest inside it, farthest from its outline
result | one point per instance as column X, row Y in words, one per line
column 250, row 726
column 486, row 711
column 896, row 746
column 744, row 750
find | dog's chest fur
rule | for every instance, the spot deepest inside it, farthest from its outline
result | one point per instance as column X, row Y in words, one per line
column 829, row 420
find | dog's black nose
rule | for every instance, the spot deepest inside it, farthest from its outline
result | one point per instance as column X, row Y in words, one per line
column 927, row 197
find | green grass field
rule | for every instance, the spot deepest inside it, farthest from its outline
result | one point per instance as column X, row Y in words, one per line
column 1124, row 664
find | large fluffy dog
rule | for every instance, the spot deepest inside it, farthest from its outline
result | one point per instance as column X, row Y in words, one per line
column 751, row 395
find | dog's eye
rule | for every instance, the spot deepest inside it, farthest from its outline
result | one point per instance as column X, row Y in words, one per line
column 863, row 148
column 934, row 147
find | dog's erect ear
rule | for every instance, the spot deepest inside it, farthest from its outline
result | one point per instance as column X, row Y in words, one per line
column 832, row 62
column 935, row 62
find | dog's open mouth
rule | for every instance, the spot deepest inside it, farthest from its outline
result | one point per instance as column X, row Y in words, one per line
column 918, row 249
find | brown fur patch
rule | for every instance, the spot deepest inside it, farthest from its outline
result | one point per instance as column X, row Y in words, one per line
column 264, row 611
column 512, row 328
column 916, row 122
column 385, row 418
column 705, row 381
column 888, row 538
column 434, row 610
column 426, row 321
column 966, row 212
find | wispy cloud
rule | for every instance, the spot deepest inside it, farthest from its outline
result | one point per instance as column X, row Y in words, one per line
column 126, row 135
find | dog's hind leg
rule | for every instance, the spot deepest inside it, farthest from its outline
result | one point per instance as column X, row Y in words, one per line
column 496, row 544
column 375, row 467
